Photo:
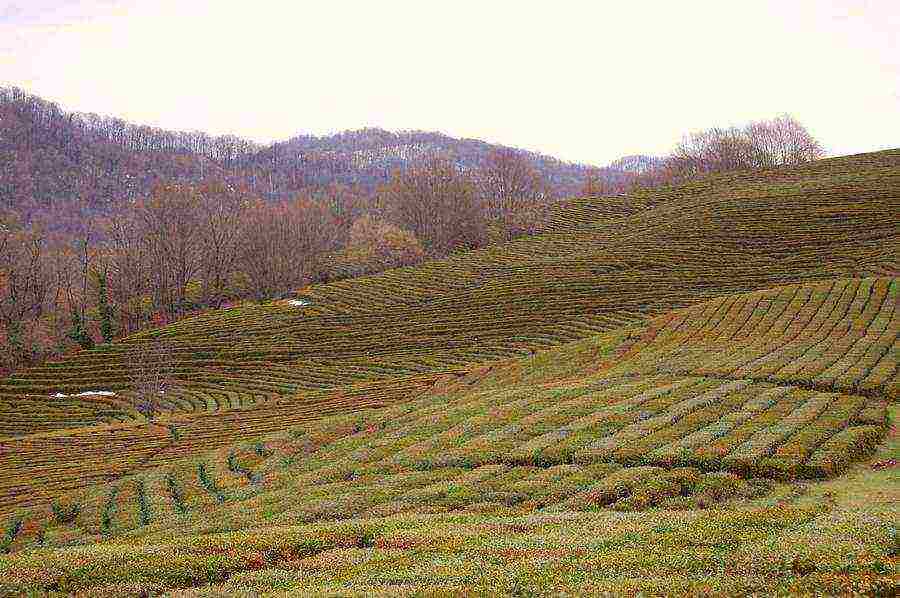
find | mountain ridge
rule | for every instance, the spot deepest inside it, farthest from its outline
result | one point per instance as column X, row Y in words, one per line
column 93, row 164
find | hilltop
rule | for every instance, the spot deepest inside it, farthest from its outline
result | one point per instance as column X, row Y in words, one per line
column 74, row 165
column 670, row 392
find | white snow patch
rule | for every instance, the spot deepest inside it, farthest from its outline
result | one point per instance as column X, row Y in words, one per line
column 298, row 302
column 87, row 393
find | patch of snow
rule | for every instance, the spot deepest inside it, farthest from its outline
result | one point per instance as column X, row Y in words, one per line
column 87, row 393
column 298, row 302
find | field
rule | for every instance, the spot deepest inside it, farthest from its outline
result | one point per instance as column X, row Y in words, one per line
column 686, row 399
column 704, row 240
column 828, row 539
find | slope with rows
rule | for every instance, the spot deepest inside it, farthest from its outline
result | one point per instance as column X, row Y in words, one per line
column 398, row 336
column 686, row 245
column 602, row 423
column 558, row 413
column 836, row 336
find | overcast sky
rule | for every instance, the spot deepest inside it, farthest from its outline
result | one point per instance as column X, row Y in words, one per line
column 585, row 81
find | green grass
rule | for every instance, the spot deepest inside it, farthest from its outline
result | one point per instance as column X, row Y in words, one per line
column 810, row 543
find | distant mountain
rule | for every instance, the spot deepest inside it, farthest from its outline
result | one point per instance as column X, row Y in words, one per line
column 70, row 164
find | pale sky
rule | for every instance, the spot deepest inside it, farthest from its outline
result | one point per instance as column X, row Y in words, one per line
column 584, row 81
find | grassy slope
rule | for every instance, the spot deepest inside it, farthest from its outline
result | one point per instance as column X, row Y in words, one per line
column 392, row 337
column 674, row 412
column 526, row 434
column 719, row 236
column 827, row 536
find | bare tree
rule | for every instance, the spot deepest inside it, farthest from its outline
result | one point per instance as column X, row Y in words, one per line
column 151, row 369
column 73, row 265
column 593, row 183
column 782, row 141
column 513, row 193
column 170, row 227
column 222, row 210
column 26, row 283
column 712, row 150
column 438, row 205
column 508, row 183
column 282, row 243
column 765, row 144
column 128, row 264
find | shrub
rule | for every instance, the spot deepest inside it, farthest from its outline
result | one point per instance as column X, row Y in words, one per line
column 109, row 510
column 143, row 504
column 714, row 487
column 63, row 513
column 176, row 493
column 209, row 483
column 9, row 536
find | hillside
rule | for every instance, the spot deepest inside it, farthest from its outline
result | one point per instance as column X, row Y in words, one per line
column 679, row 400
column 562, row 432
column 73, row 165
column 378, row 339
column 369, row 156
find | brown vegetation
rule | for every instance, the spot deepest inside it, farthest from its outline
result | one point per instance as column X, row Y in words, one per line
column 186, row 246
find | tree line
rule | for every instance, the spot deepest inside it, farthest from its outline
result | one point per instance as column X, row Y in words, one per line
column 65, row 166
column 775, row 143
column 188, row 245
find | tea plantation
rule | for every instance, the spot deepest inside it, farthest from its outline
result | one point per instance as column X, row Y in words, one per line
column 695, row 398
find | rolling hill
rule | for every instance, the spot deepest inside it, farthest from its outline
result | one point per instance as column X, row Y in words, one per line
column 671, row 401
column 562, row 436
column 67, row 165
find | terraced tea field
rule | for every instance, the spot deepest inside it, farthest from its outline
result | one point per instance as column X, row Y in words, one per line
column 542, row 435
column 839, row 336
column 257, row 368
column 631, row 436
column 727, row 235
column 640, row 403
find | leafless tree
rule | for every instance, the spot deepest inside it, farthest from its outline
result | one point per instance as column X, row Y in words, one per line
column 282, row 243
column 782, row 141
column 151, row 369
column 765, row 144
column 438, row 205
column 593, row 184
column 73, row 265
column 170, row 229
column 222, row 211
column 513, row 193
column 508, row 182
column 126, row 256
column 26, row 283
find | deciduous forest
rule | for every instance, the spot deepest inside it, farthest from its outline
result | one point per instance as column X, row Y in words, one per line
column 108, row 227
